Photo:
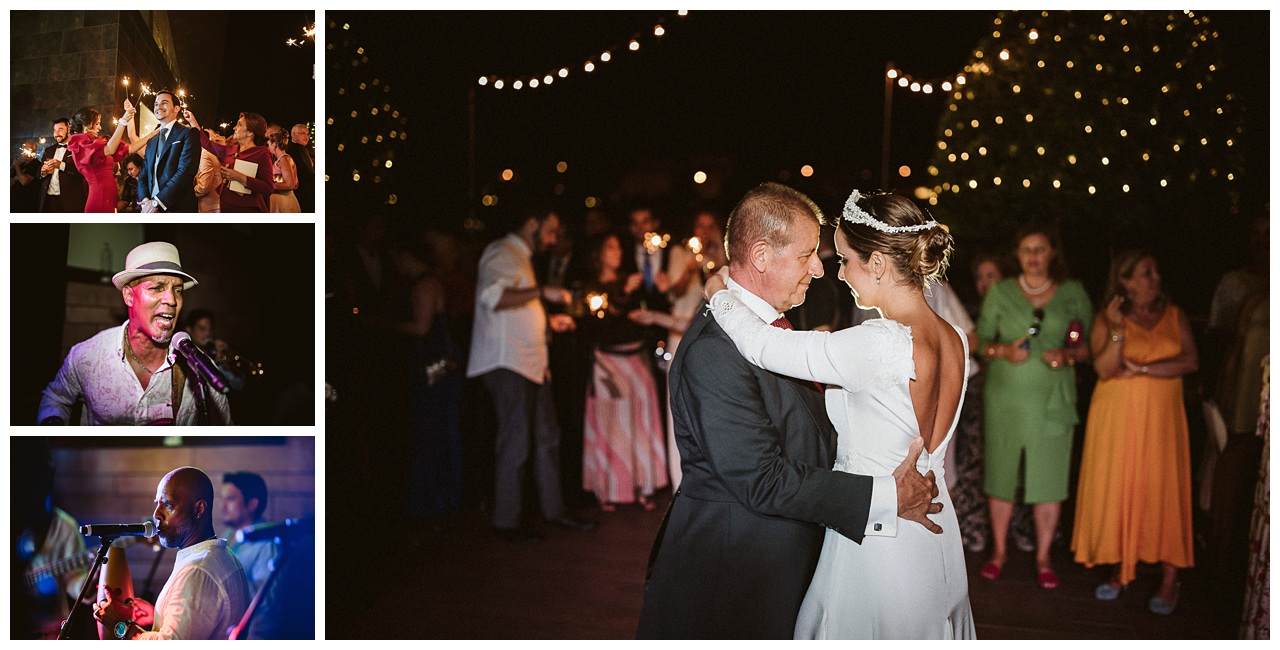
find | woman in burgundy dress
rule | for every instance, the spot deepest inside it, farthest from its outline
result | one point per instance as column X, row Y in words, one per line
column 96, row 158
column 248, row 143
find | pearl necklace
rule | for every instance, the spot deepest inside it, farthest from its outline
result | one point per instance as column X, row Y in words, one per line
column 1022, row 282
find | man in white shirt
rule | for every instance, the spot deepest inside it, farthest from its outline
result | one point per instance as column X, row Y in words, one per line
column 208, row 592
column 129, row 374
column 509, row 354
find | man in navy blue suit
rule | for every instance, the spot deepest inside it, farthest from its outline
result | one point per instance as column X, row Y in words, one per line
column 167, row 182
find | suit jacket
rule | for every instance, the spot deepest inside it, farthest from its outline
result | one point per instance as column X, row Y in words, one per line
column 176, row 173
column 738, row 547
column 71, row 184
column 305, row 192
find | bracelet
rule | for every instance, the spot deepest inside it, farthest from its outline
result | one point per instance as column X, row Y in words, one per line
column 991, row 351
column 1145, row 370
column 1117, row 338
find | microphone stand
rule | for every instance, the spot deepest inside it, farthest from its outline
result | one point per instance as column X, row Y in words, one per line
column 100, row 560
column 202, row 408
column 276, row 563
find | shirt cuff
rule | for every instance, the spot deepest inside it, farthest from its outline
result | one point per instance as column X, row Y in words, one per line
column 882, row 519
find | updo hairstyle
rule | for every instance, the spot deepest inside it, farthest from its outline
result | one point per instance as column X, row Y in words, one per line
column 920, row 257
column 84, row 117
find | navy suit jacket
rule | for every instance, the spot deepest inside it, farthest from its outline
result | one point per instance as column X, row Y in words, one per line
column 176, row 173
column 737, row 549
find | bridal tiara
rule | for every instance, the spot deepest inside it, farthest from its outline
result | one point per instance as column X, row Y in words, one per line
column 854, row 214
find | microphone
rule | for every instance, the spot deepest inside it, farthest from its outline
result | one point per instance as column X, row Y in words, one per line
column 144, row 529
column 199, row 362
column 277, row 530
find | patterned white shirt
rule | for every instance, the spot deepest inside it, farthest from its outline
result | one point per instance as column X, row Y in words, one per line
column 206, row 594
column 98, row 371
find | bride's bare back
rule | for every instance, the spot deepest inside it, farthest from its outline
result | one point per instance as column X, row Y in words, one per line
column 939, row 357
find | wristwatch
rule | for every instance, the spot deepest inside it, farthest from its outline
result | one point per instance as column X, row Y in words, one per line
column 122, row 628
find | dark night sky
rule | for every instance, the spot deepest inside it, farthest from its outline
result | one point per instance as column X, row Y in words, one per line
column 238, row 61
column 770, row 90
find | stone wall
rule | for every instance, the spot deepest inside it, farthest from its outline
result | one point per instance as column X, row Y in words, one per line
column 61, row 61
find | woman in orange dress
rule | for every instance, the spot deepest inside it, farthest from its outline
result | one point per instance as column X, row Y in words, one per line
column 1134, row 502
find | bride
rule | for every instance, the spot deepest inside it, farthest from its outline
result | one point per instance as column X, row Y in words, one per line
column 893, row 379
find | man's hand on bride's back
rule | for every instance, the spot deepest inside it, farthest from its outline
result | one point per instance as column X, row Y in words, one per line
column 916, row 492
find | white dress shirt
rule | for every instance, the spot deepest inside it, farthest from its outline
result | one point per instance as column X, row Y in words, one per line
column 206, row 594
column 882, row 519
column 515, row 338
column 161, row 139
column 98, row 371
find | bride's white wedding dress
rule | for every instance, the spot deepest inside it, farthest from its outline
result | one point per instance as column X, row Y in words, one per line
column 912, row 585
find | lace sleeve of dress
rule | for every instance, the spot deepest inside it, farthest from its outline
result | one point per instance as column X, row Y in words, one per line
column 850, row 358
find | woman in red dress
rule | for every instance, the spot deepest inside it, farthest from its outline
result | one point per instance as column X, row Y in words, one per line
column 96, row 158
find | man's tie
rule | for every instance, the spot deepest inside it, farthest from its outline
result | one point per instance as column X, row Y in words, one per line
column 783, row 323
column 648, row 272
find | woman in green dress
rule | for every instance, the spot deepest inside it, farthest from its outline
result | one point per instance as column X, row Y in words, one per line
column 1032, row 329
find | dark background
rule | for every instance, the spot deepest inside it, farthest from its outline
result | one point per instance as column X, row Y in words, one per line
column 237, row 61
column 746, row 96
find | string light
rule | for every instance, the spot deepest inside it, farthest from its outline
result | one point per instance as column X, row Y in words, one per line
column 632, row 44
column 1013, row 42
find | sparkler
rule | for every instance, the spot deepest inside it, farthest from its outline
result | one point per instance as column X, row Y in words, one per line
column 653, row 241
column 308, row 34
column 28, row 153
column 597, row 303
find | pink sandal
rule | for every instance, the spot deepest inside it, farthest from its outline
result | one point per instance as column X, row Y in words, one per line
column 1048, row 579
column 991, row 570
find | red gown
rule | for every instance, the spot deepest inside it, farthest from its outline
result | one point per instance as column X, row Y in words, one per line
column 98, row 169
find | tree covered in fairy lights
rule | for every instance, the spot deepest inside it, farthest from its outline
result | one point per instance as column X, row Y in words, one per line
column 1115, row 125
column 361, row 107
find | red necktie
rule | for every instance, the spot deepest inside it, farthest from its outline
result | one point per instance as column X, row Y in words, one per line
column 785, row 324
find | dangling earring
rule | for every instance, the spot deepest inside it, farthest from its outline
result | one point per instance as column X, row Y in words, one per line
column 877, row 279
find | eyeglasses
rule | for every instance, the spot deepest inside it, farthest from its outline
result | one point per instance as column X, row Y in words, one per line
column 1036, row 317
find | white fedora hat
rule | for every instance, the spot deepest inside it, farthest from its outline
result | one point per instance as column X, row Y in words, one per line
column 152, row 258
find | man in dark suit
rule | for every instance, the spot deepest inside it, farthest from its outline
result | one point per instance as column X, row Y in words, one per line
column 62, row 188
column 167, row 183
column 738, row 547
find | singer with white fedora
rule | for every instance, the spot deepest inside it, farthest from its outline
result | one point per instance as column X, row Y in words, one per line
column 131, row 374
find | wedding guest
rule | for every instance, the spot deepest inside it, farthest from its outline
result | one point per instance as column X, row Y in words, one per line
column 301, row 135
column 624, row 459
column 62, row 187
column 284, row 172
column 305, row 161
column 129, row 192
column 509, row 355
column 252, row 194
column 970, row 503
column 22, row 185
column 1134, row 502
column 1030, row 405
column 209, row 182
column 96, row 158
column 432, row 362
column 688, row 268
column 169, row 168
